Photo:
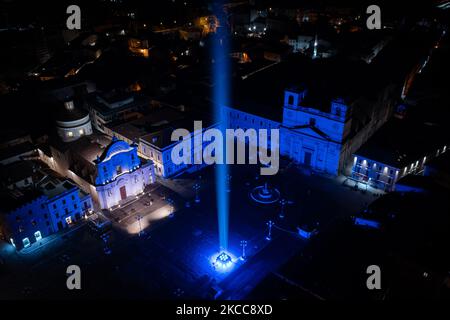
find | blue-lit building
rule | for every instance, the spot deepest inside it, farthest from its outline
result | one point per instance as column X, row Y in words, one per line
column 399, row 148
column 312, row 136
column 120, row 174
column 30, row 214
column 65, row 201
column 319, row 135
column 24, row 218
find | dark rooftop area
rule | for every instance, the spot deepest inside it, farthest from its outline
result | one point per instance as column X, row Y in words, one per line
column 13, row 199
column 398, row 143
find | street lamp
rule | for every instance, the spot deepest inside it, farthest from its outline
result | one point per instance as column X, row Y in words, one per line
column 197, row 196
column 283, row 203
column 270, row 224
column 243, row 245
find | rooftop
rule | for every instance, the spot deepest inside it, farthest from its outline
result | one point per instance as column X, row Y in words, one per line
column 16, row 150
column 162, row 138
column 13, row 199
column 53, row 186
column 398, row 143
column 87, row 147
column 70, row 112
column 154, row 121
column 263, row 93
column 116, row 101
column 16, row 171
column 353, row 80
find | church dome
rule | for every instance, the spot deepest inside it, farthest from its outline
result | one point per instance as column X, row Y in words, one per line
column 71, row 122
column 115, row 147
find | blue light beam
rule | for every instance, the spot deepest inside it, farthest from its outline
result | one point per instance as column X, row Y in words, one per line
column 221, row 74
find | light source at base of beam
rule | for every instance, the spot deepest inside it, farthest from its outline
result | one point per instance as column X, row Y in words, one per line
column 224, row 260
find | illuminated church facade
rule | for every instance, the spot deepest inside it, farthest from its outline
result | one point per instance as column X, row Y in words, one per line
column 120, row 174
column 109, row 170
column 321, row 137
column 313, row 137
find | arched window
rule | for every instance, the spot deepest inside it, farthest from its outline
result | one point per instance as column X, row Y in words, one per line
column 291, row 100
column 338, row 111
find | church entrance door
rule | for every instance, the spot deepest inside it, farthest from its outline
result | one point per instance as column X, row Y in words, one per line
column 123, row 192
column 308, row 156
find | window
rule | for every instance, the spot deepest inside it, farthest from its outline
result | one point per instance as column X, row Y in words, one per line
column 118, row 169
column 338, row 112
column 66, row 210
column 69, row 134
column 54, row 206
column 75, row 206
column 312, row 121
column 81, row 132
column 26, row 242
column 64, row 201
column 38, row 235
column 291, row 100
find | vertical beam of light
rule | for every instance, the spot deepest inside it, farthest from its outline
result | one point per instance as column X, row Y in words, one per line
column 221, row 75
